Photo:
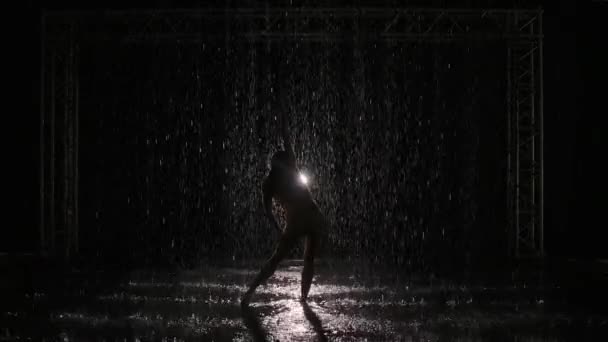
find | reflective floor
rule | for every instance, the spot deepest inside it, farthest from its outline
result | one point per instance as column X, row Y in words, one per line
column 348, row 302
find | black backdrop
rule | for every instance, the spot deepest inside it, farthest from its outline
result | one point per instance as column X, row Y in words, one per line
column 404, row 144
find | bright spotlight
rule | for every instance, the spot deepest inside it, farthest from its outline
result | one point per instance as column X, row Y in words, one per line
column 303, row 178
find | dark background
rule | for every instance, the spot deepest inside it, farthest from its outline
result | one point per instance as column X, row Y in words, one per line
column 575, row 74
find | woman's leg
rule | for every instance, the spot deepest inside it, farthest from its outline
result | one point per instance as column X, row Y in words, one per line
column 270, row 265
column 312, row 241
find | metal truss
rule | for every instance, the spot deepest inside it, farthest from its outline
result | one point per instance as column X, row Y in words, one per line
column 59, row 136
column 312, row 24
column 525, row 168
column 521, row 30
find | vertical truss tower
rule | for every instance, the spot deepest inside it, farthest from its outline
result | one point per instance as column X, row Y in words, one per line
column 59, row 140
column 525, row 134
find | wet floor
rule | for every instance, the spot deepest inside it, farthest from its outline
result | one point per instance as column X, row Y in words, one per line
column 348, row 302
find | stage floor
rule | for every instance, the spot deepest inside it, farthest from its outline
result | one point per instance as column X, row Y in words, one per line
column 349, row 301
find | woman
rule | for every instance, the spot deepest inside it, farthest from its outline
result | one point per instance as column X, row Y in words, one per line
column 304, row 219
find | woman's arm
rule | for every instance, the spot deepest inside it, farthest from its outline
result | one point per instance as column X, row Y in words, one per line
column 287, row 139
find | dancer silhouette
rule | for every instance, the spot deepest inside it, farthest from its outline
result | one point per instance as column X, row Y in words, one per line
column 304, row 219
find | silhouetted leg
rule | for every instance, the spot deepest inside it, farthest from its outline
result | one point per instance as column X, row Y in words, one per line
column 309, row 257
column 269, row 267
column 253, row 323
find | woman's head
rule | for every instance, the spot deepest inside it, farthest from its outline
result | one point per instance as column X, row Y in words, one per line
column 281, row 159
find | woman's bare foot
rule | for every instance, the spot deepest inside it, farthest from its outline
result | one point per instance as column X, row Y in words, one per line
column 246, row 299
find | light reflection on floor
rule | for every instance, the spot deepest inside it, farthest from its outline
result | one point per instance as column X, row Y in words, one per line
column 343, row 306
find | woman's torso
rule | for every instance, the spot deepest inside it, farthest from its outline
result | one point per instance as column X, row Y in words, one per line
column 289, row 190
column 302, row 213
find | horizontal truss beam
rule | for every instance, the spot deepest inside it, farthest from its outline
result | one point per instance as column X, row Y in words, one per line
column 305, row 24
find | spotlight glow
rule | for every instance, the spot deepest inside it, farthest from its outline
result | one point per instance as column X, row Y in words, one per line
column 303, row 178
